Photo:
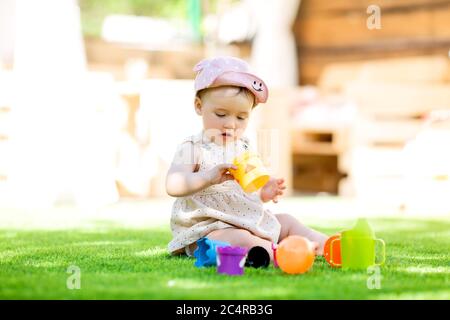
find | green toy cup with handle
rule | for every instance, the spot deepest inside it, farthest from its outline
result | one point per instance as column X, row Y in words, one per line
column 358, row 247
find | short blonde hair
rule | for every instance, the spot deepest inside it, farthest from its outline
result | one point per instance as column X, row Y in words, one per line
column 229, row 91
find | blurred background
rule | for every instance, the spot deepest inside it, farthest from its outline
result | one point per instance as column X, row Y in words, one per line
column 96, row 94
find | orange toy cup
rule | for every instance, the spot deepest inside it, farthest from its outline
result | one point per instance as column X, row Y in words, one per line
column 250, row 173
column 332, row 251
column 295, row 254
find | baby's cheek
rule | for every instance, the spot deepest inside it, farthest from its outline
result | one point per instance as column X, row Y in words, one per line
column 213, row 123
column 241, row 128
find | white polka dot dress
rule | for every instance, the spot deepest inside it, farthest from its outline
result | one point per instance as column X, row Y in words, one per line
column 219, row 206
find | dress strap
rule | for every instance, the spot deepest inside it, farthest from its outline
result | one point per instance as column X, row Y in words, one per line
column 191, row 138
column 195, row 155
column 245, row 143
column 198, row 138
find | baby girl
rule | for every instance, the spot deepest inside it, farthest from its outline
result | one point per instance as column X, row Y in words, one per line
column 210, row 203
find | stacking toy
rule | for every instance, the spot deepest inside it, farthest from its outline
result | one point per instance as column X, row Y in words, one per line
column 295, row 254
column 231, row 260
column 257, row 257
column 334, row 250
column 206, row 252
column 358, row 247
column 274, row 250
column 250, row 173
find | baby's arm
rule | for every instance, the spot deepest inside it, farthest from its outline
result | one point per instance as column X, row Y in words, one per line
column 181, row 179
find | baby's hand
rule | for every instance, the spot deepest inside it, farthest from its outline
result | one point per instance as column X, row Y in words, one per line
column 272, row 190
column 220, row 173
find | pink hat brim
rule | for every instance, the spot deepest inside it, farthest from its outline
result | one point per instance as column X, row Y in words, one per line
column 246, row 80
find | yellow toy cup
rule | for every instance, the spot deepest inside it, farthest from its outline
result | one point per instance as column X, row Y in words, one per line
column 250, row 173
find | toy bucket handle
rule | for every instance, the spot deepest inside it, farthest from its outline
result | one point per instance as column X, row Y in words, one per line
column 383, row 250
column 331, row 254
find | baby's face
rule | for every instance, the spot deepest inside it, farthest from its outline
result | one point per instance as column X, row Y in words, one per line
column 225, row 114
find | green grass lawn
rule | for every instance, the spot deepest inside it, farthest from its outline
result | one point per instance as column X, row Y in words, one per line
column 117, row 263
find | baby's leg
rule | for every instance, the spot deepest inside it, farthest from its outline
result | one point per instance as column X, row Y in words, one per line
column 291, row 226
column 242, row 238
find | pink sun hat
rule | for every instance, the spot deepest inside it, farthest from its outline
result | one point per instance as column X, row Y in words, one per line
column 229, row 71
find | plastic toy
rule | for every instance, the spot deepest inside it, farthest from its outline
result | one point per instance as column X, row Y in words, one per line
column 274, row 250
column 295, row 254
column 250, row 173
column 334, row 250
column 231, row 260
column 257, row 257
column 206, row 252
column 358, row 247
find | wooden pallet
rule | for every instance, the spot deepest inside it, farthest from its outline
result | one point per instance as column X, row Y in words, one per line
column 385, row 189
column 350, row 29
column 327, row 32
column 314, row 173
column 380, row 162
column 336, row 76
column 392, row 109
column 313, row 61
column 342, row 6
column 320, row 141
column 386, row 132
column 392, row 100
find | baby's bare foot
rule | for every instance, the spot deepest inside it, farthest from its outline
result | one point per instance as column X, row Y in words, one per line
column 319, row 243
column 315, row 247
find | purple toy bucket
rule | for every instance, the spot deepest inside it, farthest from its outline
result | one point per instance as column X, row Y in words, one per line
column 231, row 260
